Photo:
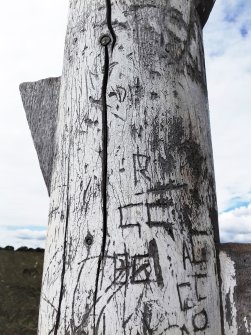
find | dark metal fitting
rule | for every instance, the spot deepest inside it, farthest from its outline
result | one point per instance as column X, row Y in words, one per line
column 89, row 240
column 105, row 40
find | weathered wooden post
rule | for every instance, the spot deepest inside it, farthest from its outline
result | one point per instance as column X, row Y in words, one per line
column 133, row 233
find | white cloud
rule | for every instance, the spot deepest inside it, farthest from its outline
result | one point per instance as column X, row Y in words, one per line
column 32, row 34
column 235, row 225
column 228, row 59
column 22, row 237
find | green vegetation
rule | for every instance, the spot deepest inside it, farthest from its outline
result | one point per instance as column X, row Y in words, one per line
column 20, row 284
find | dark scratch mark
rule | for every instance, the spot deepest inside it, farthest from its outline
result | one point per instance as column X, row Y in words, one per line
column 104, row 325
column 184, row 330
column 147, row 318
column 54, row 210
column 199, row 326
column 197, row 278
column 64, row 251
column 108, row 300
column 84, row 195
column 184, row 306
column 127, row 320
column 154, row 253
column 118, row 117
column 165, row 188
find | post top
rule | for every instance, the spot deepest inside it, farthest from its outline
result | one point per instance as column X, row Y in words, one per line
column 204, row 8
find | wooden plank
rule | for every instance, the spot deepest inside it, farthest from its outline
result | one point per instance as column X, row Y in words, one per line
column 236, row 283
column 40, row 100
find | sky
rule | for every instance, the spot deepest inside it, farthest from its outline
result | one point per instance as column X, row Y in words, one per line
column 32, row 36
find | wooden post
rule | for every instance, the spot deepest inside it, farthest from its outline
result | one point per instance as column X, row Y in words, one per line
column 236, row 282
column 132, row 235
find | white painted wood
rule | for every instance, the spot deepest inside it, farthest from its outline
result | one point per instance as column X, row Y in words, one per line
column 133, row 218
column 228, row 276
column 71, row 266
column 236, row 280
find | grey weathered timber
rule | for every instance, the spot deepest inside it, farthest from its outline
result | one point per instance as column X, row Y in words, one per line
column 236, row 288
column 204, row 8
column 40, row 100
column 133, row 232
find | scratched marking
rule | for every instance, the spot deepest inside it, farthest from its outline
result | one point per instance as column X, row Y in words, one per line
column 140, row 166
column 200, row 321
column 184, row 330
column 142, row 269
column 185, row 296
column 121, row 268
column 131, row 216
column 200, row 285
column 158, row 215
column 196, row 254
column 139, row 268
column 119, row 92
column 155, row 214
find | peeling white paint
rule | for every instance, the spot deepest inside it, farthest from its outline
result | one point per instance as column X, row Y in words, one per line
column 247, row 325
column 228, row 276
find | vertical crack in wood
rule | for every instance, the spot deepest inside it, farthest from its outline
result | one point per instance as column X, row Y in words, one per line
column 215, row 223
column 104, row 148
column 218, row 269
column 109, row 22
column 104, row 152
column 64, row 251
column 95, row 295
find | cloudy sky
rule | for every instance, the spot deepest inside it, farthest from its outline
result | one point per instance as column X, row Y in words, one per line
column 32, row 39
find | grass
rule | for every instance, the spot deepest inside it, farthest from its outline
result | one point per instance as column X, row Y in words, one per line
column 20, row 285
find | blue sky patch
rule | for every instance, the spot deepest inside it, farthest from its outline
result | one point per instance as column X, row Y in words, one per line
column 232, row 14
column 235, row 204
column 33, row 228
column 244, row 31
column 29, row 238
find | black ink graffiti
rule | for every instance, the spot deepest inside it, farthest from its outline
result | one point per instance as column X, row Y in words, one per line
column 121, row 269
column 185, row 296
column 153, row 215
column 199, row 252
column 186, row 255
column 160, row 188
column 154, row 254
column 140, row 166
column 200, row 286
column 200, row 321
column 184, row 330
column 119, row 92
column 136, row 92
column 196, row 254
column 146, row 268
column 131, row 216
column 158, row 214
column 141, row 269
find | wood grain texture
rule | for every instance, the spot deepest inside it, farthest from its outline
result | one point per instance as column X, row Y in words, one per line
column 236, row 283
column 133, row 217
column 204, row 8
column 40, row 100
